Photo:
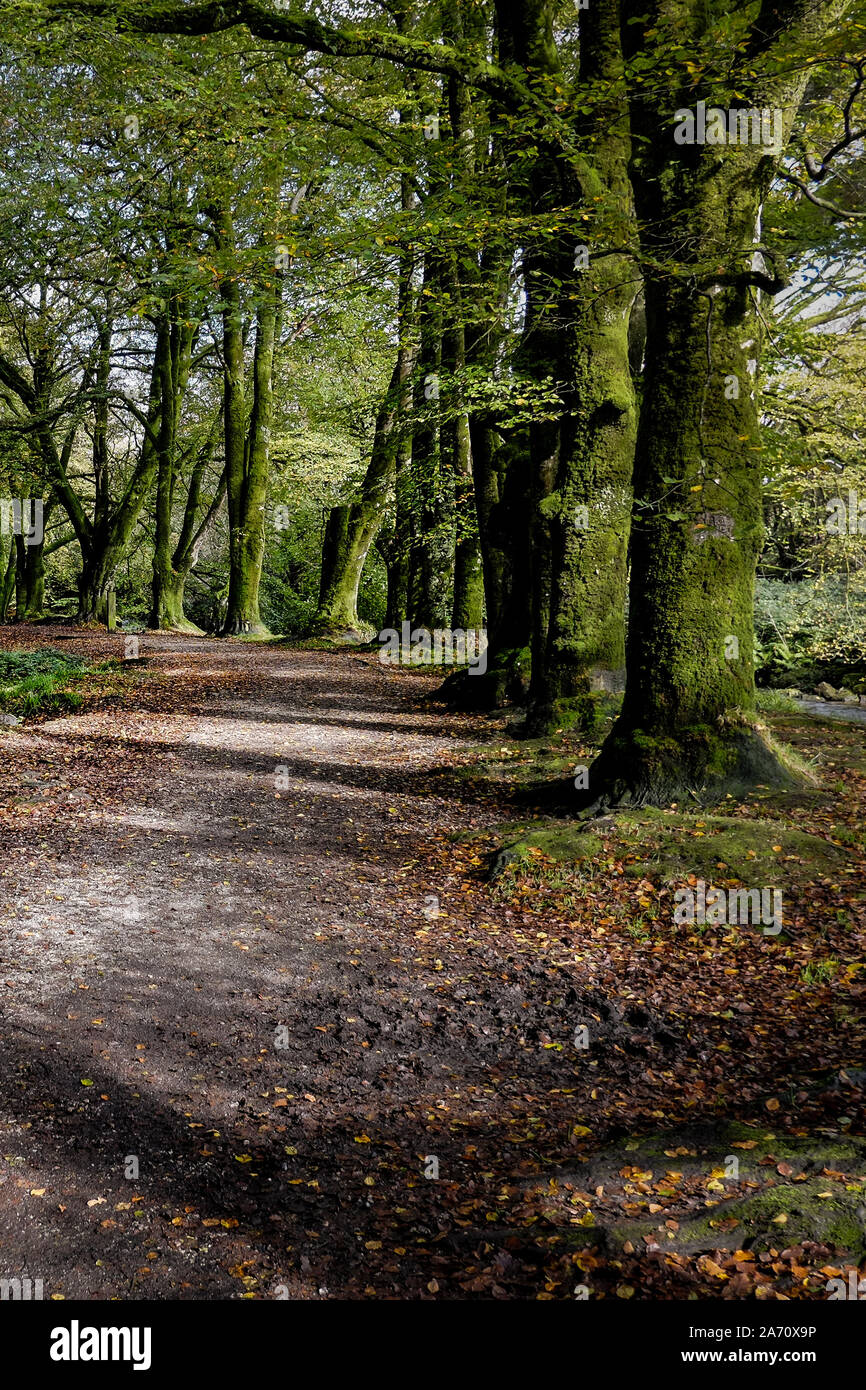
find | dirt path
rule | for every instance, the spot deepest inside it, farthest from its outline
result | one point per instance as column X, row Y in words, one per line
column 258, row 1040
column 209, row 977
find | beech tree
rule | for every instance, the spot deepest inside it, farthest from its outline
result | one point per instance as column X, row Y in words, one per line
column 582, row 267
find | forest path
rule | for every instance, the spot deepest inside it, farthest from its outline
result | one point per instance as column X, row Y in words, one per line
column 212, row 980
column 281, row 1038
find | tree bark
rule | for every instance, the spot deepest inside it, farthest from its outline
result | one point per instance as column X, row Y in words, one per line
column 687, row 724
column 576, row 338
column 351, row 530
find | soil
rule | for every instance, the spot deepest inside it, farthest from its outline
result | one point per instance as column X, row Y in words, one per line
column 258, row 1042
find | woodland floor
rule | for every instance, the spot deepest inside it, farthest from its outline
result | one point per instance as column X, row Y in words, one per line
column 170, row 918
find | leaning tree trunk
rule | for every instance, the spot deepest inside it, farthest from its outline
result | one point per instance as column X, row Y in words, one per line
column 351, row 530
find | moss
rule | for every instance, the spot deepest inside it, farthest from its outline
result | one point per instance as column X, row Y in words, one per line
column 636, row 768
column 665, row 845
column 835, row 1220
column 586, row 713
column 505, row 682
column 335, row 634
column 558, row 842
column 832, row 1221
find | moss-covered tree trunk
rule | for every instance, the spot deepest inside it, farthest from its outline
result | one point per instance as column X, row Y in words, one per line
column 351, row 529
column 687, row 722
column 99, row 568
column 461, row 21
column 30, row 572
column 394, row 542
column 578, row 303
column 7, row 584
column 242, row 613
column 695, row 542
column 467, row 610
column 175, row 340
column 247, row 452
column 431, row 563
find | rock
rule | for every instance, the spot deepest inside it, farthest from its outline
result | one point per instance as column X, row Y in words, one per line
column 793, row 693
column 10, row 719
column 827, row 692
column 848, row 696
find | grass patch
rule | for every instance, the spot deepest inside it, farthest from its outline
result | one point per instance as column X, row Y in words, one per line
column 39, row 681
column 774, row 702
column 52, row 682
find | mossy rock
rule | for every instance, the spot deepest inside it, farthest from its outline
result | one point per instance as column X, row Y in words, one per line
column 556, row 841
column 667, row 846
column 749, row 1219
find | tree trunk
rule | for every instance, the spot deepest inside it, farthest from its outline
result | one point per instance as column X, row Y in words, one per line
column 467, row 611
column 352, row 529
column 96, row 582
column 30, row 573
column 174, row 347
column 431, row 564
column 247, row 457
column 7, row 587
column 687, row 724
column 576, row 336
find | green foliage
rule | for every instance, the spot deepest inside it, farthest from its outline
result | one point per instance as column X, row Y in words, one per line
column 811, row 631
column 773, row 702
column 39, row 681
